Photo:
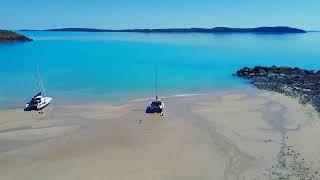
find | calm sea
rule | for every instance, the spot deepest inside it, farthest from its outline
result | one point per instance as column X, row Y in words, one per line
column 79, row 67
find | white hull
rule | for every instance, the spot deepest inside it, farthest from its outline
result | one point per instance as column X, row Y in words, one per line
column 45, row 101
column 42, row 102
column 161, row 106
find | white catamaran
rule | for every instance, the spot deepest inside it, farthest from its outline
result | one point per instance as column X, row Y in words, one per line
column 156, row 106
column 38, row 102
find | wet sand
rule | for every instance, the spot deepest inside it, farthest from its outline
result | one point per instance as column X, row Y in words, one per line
column 231, row 135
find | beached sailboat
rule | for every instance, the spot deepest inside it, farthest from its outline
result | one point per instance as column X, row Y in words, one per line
column 38, row 102
column 156, row 106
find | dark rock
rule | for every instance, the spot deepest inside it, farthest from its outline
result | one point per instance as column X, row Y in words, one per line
column 296, row 82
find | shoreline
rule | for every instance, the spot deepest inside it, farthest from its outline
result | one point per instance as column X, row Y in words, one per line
column 107, row 103
column 226, row 135
column 124, row 101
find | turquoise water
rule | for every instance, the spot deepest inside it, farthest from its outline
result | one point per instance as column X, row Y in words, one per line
column 114, row 67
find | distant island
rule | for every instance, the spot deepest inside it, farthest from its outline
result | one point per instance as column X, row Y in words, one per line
column 260, row 30
column 9, row 36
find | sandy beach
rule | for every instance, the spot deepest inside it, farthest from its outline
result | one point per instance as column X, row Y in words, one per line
column 229, row 135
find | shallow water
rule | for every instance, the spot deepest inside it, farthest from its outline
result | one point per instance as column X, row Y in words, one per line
column 77, row 67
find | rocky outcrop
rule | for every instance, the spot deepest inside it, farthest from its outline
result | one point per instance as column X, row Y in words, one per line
column 301, row 83
column 8, row 36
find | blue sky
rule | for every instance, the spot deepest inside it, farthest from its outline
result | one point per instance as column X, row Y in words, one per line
column 118, row 14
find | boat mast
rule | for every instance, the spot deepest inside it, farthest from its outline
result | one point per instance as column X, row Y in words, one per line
column 40, row 81
column 156, row 81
